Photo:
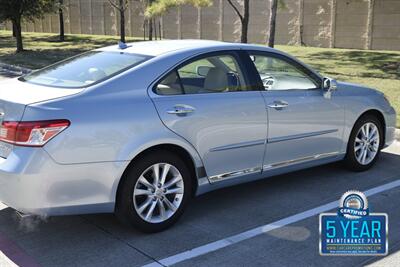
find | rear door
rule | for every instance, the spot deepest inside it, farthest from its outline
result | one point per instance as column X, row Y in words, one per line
column 210, row 102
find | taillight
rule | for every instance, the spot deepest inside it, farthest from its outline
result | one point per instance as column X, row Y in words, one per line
column 31, row 133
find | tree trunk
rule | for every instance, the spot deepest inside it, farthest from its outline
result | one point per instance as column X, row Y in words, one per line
column 18, row 35
column 14, row 31
column 272, row 23
column 61, row 22
column 245, row 21
column 122, row 20
column 150, row 25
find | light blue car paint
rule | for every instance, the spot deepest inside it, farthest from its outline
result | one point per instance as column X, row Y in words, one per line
column 231, row 137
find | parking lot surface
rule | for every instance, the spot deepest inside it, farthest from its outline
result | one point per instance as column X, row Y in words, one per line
column 213, row 219
column 272, row 222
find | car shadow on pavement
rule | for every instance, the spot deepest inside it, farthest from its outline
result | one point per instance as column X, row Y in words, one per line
column 99, row 239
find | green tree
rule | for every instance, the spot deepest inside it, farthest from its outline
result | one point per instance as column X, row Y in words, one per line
column 160, row 7
column 18, row 10
column 121, row 6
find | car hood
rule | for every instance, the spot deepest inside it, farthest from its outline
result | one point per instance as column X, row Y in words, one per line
column 357, row 88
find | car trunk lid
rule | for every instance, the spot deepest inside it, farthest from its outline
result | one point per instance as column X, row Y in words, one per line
column 15, row 95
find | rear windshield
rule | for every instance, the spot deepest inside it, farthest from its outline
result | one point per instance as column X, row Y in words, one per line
column 85, row 69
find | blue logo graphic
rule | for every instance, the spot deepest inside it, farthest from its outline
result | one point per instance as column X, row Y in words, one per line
column 353, row 230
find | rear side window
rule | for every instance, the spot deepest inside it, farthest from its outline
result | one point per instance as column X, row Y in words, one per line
column 84, row 70
column 214, row 74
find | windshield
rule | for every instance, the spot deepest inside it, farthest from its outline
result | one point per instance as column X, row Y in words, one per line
column 85, row 69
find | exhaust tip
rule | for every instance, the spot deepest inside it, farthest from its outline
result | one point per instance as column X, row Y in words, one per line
column 22, row 215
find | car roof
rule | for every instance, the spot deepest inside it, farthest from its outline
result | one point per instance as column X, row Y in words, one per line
column 157, row 48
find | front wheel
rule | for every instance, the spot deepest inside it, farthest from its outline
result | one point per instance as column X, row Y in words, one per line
column 154, row 192
column 364, row 144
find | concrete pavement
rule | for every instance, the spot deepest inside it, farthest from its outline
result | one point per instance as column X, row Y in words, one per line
column 99, row 240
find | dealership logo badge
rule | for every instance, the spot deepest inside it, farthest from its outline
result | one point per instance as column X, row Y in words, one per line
column 353, row 230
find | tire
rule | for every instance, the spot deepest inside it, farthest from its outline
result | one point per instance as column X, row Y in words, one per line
column 354, row 159
column 136, row 197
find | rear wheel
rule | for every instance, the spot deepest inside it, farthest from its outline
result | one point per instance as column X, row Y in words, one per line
column 364, row 144
column 154, row 192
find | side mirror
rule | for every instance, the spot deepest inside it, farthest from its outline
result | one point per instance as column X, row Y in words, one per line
column 202, row 70
column 329, row 85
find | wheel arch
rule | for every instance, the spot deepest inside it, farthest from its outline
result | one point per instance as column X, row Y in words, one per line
column 195, row 170
column 375, row 112
column 379, row 115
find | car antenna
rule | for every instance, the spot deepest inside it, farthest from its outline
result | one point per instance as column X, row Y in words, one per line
column 122, row 45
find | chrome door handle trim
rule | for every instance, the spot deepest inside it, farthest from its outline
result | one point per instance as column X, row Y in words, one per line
column 179, row 110
column 279, row 104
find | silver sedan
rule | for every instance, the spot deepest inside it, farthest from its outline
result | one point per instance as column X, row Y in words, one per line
column 140, row 129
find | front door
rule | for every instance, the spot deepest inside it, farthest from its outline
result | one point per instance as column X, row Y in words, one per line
column 303, row 125
column 208, row 102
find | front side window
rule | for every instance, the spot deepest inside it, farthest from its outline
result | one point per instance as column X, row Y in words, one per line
column 85, row 69
column 278, row 74
column 214, row 74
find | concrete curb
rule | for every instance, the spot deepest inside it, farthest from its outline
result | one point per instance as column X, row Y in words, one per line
column 397, row 135
column 13, row 70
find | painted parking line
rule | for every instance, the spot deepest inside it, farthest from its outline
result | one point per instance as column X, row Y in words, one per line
column 222, row 243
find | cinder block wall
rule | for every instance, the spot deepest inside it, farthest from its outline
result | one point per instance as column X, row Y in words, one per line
column 362, row 24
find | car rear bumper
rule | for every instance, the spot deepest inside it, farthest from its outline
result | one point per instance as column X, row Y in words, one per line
column 33, row 183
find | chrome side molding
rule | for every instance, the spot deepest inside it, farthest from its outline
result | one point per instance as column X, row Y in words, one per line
column 229, row 175
column 299, row 160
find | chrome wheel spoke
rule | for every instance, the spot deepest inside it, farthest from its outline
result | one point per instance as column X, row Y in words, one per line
column 169, row 204
column 372, row 133
column 374, row 138
column 360, row 155
column 363, row 131
column 177, row 190
column 162, row 209
column 156, row 174
column 358, row 148
column 367, row 129
column 164, row 173
column 144, row 182
column 142, row 192
column 173, row 181
column 375, row 147
column 144, row 206
column 364, row 156
column 151, row 210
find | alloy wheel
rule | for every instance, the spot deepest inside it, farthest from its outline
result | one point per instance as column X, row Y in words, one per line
column 367, row 142
column 158, row 193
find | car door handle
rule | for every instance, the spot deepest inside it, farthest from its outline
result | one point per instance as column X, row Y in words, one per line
column 279, row 104
column 181, row 110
